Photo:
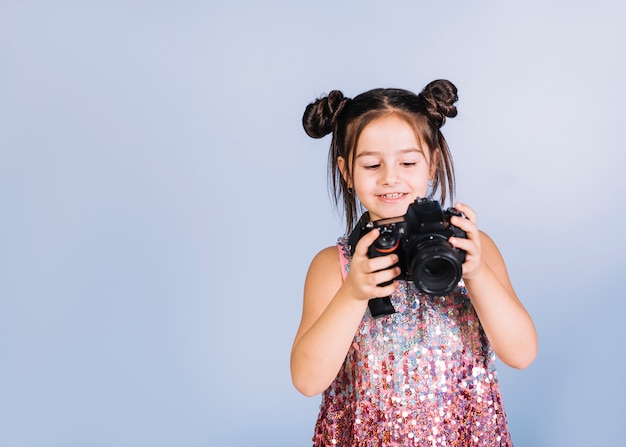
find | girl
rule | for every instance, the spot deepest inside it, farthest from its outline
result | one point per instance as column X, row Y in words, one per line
column 424, row 375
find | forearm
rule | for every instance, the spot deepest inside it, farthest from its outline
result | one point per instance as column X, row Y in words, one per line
column 318, row 355
column 506, row 322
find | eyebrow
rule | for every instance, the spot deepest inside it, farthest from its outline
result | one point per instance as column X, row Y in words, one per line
column 402, row 151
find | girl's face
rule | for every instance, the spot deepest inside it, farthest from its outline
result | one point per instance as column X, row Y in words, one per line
column 391, row 169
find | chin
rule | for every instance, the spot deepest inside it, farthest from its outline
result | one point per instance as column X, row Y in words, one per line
column 388, row 214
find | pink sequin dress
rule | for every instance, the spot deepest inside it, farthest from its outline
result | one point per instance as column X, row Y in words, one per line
column 424, row 376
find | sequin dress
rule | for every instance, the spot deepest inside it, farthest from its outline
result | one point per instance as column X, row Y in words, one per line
column 424, row 376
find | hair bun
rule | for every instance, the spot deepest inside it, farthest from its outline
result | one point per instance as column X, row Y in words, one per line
column 438, row 99
column 320, row 117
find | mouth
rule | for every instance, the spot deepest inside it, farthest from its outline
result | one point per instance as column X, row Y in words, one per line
column 392, row 196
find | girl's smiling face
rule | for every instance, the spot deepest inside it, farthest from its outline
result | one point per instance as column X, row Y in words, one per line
column 390, row 168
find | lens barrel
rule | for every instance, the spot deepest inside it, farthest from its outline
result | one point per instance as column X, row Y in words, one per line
column 435, row 267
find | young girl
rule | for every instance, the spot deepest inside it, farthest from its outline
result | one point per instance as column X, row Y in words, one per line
column 424, row 375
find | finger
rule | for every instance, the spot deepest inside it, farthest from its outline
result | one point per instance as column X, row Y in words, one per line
column 470, row 214
column 387, row 275
column 383, row 291
column 364, row 243
column 382, row 262
column 464, row 224
column 464, row 244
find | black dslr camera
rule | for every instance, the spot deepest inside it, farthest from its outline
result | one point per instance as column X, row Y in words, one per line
column 420, row 239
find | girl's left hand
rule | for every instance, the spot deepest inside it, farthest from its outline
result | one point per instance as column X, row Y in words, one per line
column 472, row 246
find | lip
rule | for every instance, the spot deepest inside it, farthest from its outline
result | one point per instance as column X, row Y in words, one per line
column 392, row 197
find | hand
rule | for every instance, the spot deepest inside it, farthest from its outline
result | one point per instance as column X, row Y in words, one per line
column 366, row 273
column 472, row 246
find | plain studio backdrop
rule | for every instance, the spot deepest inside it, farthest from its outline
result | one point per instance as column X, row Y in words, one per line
column 160, row 204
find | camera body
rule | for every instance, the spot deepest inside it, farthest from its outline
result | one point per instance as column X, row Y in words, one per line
column 420, row 239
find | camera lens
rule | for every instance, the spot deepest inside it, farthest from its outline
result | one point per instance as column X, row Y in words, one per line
column 435, row 268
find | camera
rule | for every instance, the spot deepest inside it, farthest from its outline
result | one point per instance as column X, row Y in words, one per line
column 420, row 239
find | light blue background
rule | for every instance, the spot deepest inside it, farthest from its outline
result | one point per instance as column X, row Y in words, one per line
column 160, row 204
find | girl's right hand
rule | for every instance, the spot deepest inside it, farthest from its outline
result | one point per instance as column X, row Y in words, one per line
column 367, row 273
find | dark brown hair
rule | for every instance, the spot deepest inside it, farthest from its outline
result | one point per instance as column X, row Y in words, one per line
column 346, row 118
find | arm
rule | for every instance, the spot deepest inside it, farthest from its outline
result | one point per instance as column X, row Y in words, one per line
column 506, row 322
column 332, row 311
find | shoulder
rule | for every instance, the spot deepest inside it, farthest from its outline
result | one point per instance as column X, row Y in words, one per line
column 489, row 247
column 487, row 241
column 323, row 278
column 326, row 264
column 493, row 257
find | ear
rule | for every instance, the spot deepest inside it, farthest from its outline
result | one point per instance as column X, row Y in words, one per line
column 345, row 173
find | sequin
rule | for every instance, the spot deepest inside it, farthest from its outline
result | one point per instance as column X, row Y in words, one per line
column 424, row 376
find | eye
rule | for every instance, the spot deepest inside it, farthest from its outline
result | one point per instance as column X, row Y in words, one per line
column 372, row 166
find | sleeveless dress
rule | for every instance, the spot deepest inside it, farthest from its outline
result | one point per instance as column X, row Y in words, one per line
column 423, row 376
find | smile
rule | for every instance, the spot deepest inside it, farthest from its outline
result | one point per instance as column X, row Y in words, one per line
column 395, row 195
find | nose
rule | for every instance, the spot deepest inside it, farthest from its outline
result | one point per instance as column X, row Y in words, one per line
column 390, row 176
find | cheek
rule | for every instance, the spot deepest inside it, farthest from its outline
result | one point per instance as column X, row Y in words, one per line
column 424, row 187
column 360, row 185
column 422, row 183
